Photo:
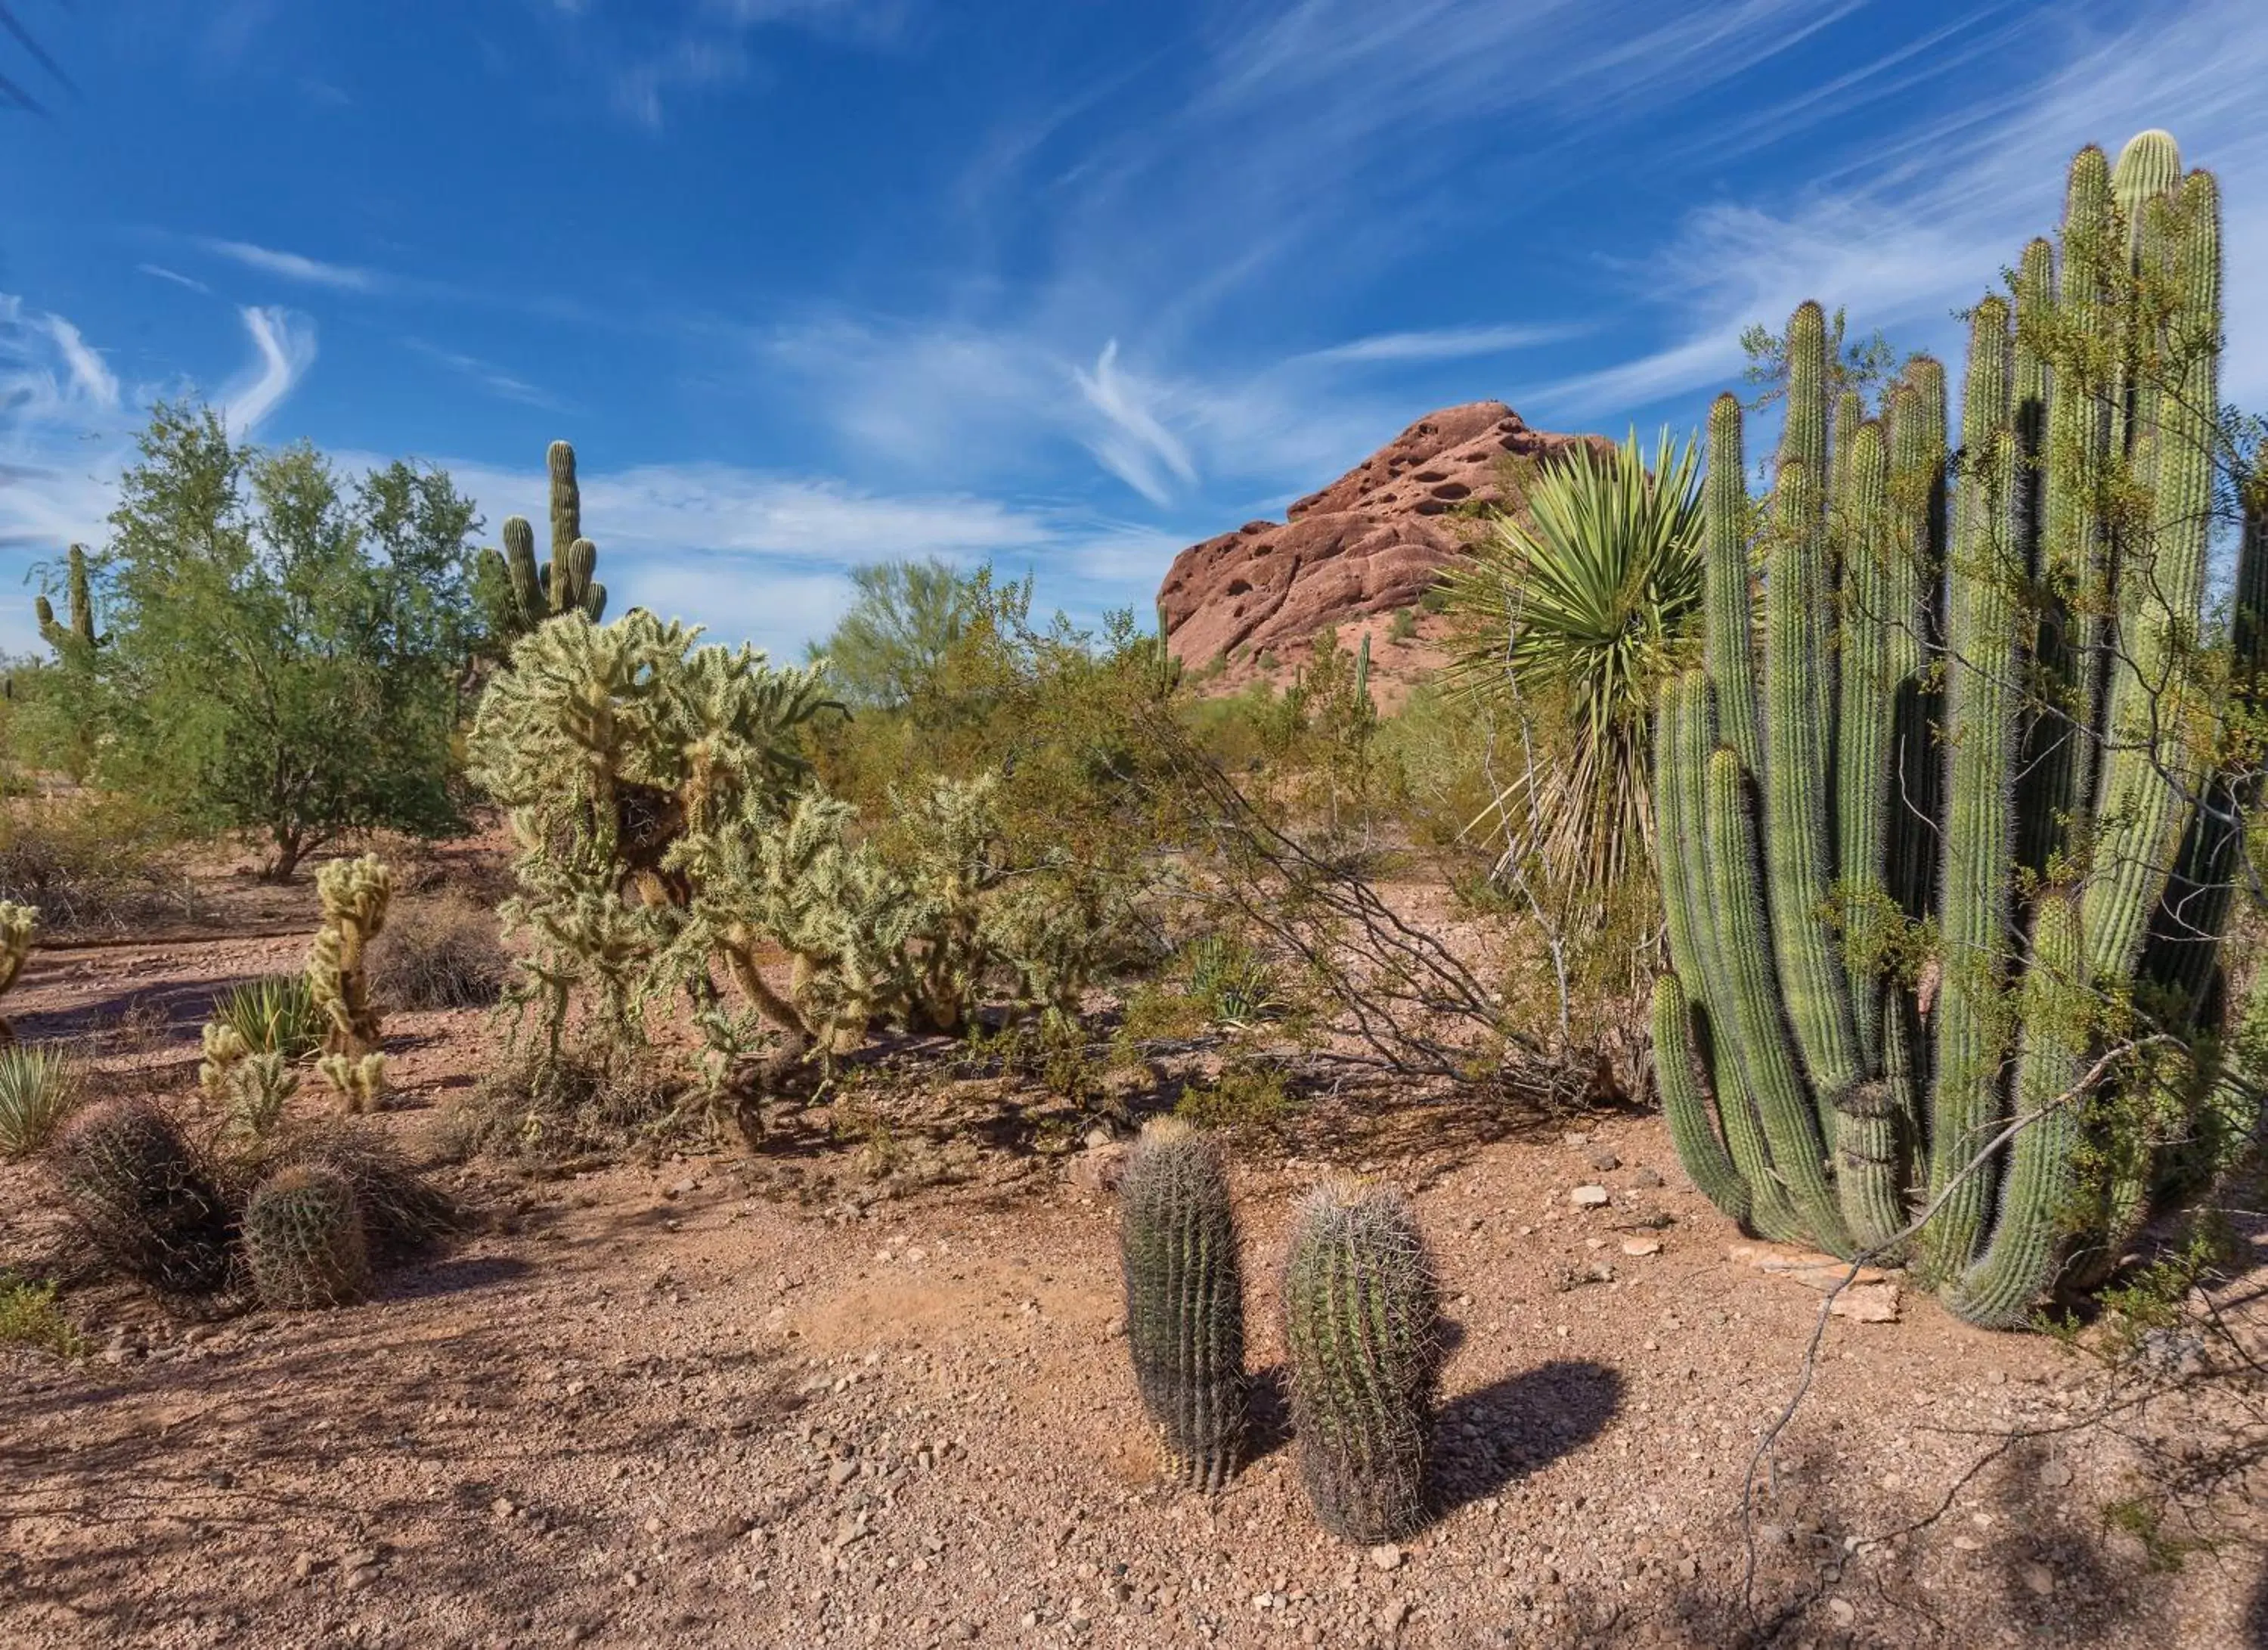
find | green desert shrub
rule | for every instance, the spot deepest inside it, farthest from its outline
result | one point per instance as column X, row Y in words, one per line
column 29, row 1317
column 39, row 1088
column 274, row 1014
column 1235, row 983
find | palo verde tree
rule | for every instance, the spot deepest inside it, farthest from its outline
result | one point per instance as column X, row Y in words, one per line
column 283, row 647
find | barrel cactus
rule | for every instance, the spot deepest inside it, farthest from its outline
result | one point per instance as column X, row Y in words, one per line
column 1184, row 1298
column 1363, row 1323
column 355, row 894
column 138, row 1192
column 304, row 1240
column 1933, row 866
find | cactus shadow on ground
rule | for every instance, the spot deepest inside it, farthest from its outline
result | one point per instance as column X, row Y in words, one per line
column 457, row 1274
column 1485, row 1439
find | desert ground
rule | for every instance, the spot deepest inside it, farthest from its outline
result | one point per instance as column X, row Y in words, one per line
column 868, row 1386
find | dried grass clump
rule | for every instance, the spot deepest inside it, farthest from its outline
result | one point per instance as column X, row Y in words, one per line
column 440, row 952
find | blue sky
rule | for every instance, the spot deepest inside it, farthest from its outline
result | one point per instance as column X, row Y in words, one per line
column 809, row 282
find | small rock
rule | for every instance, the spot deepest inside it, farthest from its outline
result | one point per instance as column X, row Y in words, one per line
column 1100, row 1168
column 1387, row 1557
column 502, row 1507
column 1867, row 1303
column 2038, row 1579
column 1641, row 1246
column 1648, row 1180
column 1967, row 1544
column 1604, row 1160
column 1590, row 1196
column 1844, row 1611
column 305, row 1565
column 1096, row 1137
column 2055, row 1475
column 1392, row 1614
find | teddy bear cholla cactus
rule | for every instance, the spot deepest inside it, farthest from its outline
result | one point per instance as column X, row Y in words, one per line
column 19, row 927
column 354, row 894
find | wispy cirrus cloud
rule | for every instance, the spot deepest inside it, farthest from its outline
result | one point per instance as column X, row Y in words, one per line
column 496, row 379
column 297, row 267
column 284, row 347
column 162, row 273
column 1445, row 343
column 1927, row 218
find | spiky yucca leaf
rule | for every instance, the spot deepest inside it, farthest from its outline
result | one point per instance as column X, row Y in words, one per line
column 1573, row 623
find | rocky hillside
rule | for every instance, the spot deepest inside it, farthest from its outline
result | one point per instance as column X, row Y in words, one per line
column 1366, row 545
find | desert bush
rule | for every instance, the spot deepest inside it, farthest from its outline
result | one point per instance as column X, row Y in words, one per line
column 1245, row 1094
column 90, row 860
column 29, row 1317
column 1234, row 982
column 146, row 1204
column 587, row 1100
column 39, row 1088
column 274, row 1014
column 440, row 952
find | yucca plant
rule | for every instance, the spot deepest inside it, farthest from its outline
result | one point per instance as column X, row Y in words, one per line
column 38, row 1087
column 1569, row 625
column 275, row 1014
column 1236, row 984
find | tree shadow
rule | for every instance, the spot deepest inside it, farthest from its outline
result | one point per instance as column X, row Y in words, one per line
column 1485, row 1439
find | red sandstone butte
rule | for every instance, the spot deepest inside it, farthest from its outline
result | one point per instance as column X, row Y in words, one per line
column 1369, row 543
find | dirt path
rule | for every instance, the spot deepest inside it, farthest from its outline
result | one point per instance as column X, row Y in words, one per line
column 670, row 1407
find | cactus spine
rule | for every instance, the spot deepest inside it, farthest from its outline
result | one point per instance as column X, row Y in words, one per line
column 304, row 1240
column 132, row 1185
column 355, row 894
column 1362, row 1322
column 1184, row 1298
column 2029, row 700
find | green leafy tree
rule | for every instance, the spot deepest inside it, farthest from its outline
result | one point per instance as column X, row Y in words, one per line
column 911, row 623
column 285, row 649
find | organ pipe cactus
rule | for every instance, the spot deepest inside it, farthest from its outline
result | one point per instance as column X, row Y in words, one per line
column 1362, row 1321
column 1929, row 888
column 1184, row 1298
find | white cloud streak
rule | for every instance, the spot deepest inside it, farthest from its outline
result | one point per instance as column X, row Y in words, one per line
column 174, row 275
column 285, row 345
column 297, row 267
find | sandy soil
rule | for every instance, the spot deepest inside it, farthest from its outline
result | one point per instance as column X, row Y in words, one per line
column 837, row 1395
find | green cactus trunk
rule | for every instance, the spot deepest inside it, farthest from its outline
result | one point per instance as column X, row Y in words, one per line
column 1363, row 1326
column 1982, row 700
column 1799, row 702
column 1915, row 629
column 1184, row 1300
column 1728, row 610
column 1693, row 1132
column 1682, row 755
column 2019, row 1262
column 1768, row 1064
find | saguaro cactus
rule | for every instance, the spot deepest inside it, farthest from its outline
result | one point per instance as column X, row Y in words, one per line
column 1362, row 1320
column 1184, row 1298
column 77, row 639
column 530, row 594
column 2024, row 697
column 355, row 894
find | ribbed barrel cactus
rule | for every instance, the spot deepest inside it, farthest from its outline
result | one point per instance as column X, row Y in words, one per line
column 1184, row 1298
column 1363, row 1323
column 304, row 1240
column 1936, row 879
column 138, row 1192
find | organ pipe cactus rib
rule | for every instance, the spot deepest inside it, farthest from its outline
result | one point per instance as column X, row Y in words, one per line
column 1184, row 1298
column 1862, row 1009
